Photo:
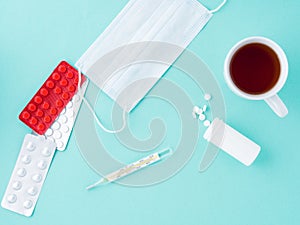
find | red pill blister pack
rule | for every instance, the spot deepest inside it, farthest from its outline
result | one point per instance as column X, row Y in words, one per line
column 51, row 98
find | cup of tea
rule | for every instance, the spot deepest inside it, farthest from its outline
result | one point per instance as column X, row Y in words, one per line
column 256, row 68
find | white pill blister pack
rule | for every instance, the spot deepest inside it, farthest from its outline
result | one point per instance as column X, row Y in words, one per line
column 61, row 129
column 29, row 175
column 35, row 157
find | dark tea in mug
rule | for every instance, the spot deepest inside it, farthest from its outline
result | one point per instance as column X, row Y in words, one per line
column 255, row 68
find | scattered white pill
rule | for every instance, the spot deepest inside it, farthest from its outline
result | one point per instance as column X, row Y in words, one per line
column 202, row 117
column 195, row 109
column 194, row 115
column 200, row 111
column 207, row 97
column 204, row 108
column 206, row 123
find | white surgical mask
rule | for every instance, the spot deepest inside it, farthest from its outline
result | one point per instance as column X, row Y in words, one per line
column 176, row 22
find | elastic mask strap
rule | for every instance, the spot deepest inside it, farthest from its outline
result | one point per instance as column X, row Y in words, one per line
column 219, row 7
column 93, row 112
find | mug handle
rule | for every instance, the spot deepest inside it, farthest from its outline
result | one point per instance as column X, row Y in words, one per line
column 277, row 105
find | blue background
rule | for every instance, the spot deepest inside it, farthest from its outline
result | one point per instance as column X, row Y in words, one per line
column 36, row 35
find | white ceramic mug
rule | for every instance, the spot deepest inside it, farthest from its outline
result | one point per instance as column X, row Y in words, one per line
column 270, row 97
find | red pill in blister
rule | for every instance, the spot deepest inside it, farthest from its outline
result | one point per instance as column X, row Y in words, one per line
column 70, row 75
column 71, row 88
column 53, row 111
column 32, row 107
column 44, row 92
column 39, row 113
column 50, row 84
column 45, row 105
column 33, row 121
column 65, row 96
column 41, row 127
column 25, row 115
column 59, row 103
column 56, row 76
column 62, row 69
column 63, row 82
column 57, row 90
column 47, row 119
column 38, row 99
column 51, row 98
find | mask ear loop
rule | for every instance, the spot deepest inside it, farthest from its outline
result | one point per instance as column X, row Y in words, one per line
column 219, row 7
column 124, row 112
column 93, row 112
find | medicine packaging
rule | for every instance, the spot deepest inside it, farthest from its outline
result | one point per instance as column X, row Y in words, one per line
column 61, row 129
column 42, row 110
column 29, row 174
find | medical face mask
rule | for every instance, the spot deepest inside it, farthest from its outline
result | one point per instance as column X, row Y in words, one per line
column 175, row 22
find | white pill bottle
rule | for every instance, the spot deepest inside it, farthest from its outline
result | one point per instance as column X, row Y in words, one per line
column 232, row 142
